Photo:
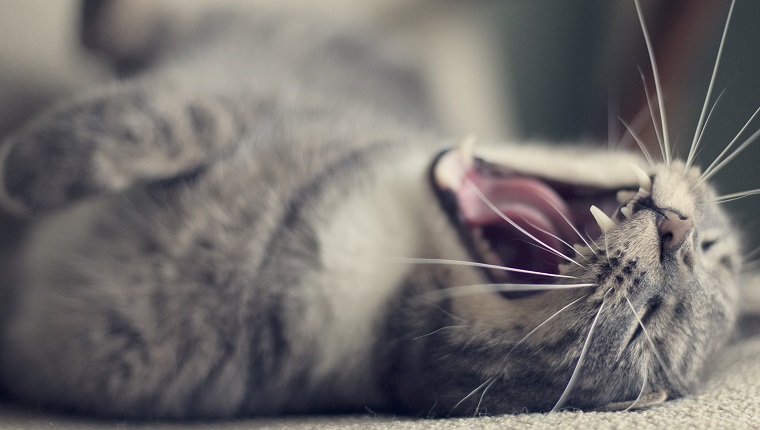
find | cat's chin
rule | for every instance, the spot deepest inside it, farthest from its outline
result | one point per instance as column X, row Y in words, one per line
column 519, row 219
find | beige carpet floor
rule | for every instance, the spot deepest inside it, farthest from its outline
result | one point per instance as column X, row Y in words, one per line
column 731, row 400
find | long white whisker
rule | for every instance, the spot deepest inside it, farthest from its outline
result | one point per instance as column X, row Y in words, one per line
column 657, row 84
column 482, row 396
column 487, row 382
column 554, row 236
column 752, row 254
column 750, row 266
column 536, row 328
column 655, row 123
column 443, row 310
column 701, row 132
column 713, row 170
column 581, row 358
column 436, row 331
column 665, row 369
column 701, row 123
column 468, row 290
column 591, row 242
column 571, row 226
column 482, row 265
column 636, row 124
column 607, row 249
column 518, row 227
column 735, row 196
column 641, row 393
column 639, row 142
column 730, row 144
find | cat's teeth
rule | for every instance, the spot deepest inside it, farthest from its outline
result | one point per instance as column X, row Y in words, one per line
column 605, row 223
column 449, row 173
column 626, row 211
column 465, row 151
column 623, row 196
column 564, row 269
column 645, row 183
column 580, row 249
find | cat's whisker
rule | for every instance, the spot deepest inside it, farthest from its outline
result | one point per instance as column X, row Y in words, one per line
column 701, row 132
column 554, row 236
column 562, row 268
column 571, row 226
column 639, row 121
column 717, row 164
column 592, row 243
column 752, row 254
column 668, row 374
column 581, row 358
column 750, row 266
column 437, row 330
column 751, row 261
column 483, row 395
column 517, row 226
column 734, row 196
column 536, row 328
column 488, row 382
column 655, row 123
column 658, row 86
column 442, row 310
column 639, row 142
column 606, row 249
column 468, row 290
column 702, row 120
column 481, row 265
column 641, row 392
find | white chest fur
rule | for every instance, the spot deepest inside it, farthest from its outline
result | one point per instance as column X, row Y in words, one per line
column 361, row 246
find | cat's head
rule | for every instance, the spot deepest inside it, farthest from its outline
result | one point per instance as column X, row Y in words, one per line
column 632, row 304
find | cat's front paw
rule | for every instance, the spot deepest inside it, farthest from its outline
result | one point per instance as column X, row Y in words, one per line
column 105, row 143
column 45, row 166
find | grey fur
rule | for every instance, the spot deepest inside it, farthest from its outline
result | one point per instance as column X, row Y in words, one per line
column 211, row 247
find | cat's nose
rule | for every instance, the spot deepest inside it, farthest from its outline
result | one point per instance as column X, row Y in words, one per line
column 673, row 229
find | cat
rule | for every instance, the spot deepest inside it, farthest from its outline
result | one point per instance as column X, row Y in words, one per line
column 300, row 237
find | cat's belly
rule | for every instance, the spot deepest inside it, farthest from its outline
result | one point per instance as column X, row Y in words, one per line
column 126, row 312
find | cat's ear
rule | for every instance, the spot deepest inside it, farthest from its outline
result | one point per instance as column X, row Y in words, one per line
column 134, row 132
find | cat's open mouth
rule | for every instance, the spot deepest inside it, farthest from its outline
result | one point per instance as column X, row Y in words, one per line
column 512, row 217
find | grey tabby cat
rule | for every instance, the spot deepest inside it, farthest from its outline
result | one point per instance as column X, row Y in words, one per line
column 208, row 247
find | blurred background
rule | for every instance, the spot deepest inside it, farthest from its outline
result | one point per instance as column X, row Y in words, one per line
column 555, row 70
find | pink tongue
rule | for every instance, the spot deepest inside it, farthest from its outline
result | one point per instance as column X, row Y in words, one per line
column 516, row 198
column 529, row 203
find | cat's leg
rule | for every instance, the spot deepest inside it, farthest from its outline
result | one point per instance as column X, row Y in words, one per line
column 130, row 133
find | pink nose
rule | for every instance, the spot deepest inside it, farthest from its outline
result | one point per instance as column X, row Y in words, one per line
column 673, row 229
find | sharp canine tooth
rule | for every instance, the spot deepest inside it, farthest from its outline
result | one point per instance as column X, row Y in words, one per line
column 465, row 150
column 626, row 211
column 564, row 269
column 644, row 182
column 605, row 223
column 579, row 248
column 449, row 172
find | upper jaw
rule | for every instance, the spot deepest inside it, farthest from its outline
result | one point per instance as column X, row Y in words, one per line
column 508, row 209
